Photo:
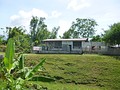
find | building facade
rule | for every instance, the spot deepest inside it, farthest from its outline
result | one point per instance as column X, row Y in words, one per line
column 63, row 45
column 75, row 46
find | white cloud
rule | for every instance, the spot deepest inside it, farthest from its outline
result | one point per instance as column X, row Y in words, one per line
column 77, row 4
column 23, row 17
column 64, row 26
column 56, row 14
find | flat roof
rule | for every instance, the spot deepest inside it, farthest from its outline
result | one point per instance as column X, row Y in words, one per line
column 78, row 39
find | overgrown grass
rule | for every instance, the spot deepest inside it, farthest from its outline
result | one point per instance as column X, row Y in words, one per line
column 95, row 71
column 60, row 86
column 74, row 72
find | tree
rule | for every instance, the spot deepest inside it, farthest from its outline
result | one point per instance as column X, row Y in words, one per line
column 15, row 31
column 21, row 39
column 1, row 39
column 69, row 33
column 112, row 36
column 66, row 35
column 82, row 28
column 42, row 34
column 54, row 32
column 97, row 38
column 38, row 30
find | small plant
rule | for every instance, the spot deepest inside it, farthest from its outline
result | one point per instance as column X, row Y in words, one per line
column 13, row 70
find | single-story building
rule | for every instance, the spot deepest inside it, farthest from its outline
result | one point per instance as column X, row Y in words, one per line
column 75, row 46
column 63, row 45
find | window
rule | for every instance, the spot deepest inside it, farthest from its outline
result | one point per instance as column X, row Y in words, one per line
column 57, row 44
column 76, row 45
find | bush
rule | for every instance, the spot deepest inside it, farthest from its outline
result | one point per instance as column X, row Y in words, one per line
column 2, row 48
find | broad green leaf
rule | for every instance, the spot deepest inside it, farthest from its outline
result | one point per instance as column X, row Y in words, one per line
column 9, row 55
column 21, row 66
column 30, row 74
column 21, row 61
column 15, row 64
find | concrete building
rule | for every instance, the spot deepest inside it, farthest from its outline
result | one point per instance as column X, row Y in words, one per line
column 63, row 45
column 75, row 46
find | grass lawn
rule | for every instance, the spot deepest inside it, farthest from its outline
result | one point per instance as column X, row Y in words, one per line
column 94, row 72
column 75, row 72
column 63, row 86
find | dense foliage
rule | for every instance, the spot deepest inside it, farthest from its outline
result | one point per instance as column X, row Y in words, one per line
column 22, row 40
column 112, row 36
column 82, row 28
column 97, row 38
column 54, row 32
column 38, row 30
column 12, row 70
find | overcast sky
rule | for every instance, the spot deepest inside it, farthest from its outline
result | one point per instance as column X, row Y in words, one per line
column 59, row 12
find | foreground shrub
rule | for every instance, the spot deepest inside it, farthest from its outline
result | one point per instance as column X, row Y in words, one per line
column 13, row 72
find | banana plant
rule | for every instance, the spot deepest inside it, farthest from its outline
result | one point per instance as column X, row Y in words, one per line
column 31, row 72
column 27, row 73
column 12, row 65
column 9, row 55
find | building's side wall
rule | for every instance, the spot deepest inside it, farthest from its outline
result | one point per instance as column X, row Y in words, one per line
column 94, row 47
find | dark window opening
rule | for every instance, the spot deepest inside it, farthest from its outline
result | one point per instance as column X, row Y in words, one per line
column 77, row 45
column 56, row 44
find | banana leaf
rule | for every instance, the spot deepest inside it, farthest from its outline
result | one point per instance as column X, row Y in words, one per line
column 9, row 55
column 21, row 61
column 30, row 74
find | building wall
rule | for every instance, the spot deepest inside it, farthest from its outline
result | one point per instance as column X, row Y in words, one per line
column 66, row 45
column 86, row 47
column 94, row 47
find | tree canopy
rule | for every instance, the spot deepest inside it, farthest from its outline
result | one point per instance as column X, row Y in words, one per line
column 38, row 30
column 112, row 36
column 21, row 39
column 54, row 32
column 97, row 38
column 82, row 28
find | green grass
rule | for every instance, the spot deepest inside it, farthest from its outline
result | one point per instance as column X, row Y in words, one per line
column 76, row 72
column 91, row 70
column 63, row 86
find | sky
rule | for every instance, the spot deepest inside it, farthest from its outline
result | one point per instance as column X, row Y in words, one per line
column 59, row 13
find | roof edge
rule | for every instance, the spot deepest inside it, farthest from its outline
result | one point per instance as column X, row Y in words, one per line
column 75, row 39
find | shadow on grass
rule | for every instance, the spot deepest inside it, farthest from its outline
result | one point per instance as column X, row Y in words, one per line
column 116, row 57
column 43, row 79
